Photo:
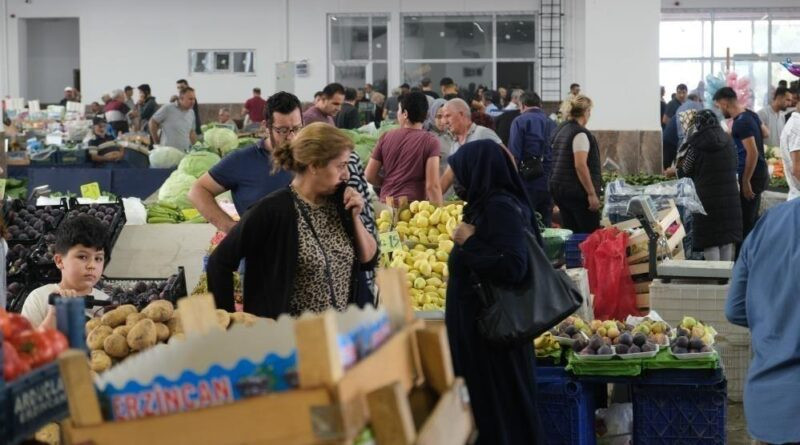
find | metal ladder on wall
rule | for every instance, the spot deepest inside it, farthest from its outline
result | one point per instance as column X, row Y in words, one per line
column 551, row 49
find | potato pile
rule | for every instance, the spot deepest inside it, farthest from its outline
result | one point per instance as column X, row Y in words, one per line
column 124, row 331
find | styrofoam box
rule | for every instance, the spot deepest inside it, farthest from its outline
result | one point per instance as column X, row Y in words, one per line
column 580, row 277
column 736, row 361
column 705, row 302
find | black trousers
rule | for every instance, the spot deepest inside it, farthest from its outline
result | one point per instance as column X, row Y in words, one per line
column 749, row 213
column 575, row 214
column 543, row 204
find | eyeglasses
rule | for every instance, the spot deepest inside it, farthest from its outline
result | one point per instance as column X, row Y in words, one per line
column 283, row 131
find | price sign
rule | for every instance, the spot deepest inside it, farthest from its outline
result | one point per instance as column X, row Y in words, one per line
column 390, row 242
column 190, row 213
column 90, row 190
column 2, row 188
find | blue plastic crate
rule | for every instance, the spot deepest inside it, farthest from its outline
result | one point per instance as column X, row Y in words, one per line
column 685, row 415
column 566, row 408
column 31, row 402
column 78, row 156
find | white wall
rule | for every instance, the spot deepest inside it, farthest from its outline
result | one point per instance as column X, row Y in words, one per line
column 51, row 55
column 619, row 68
column 727, row 4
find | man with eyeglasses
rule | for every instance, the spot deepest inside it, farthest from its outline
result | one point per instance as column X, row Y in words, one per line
column 247, row 172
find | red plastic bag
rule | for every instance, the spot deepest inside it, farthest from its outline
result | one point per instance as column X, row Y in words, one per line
column 605, row 257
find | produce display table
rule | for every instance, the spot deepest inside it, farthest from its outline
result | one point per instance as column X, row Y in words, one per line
column 155, row 250
column 405, row 390
column 121, row 181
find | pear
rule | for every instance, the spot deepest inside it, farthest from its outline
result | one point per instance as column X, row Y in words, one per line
column 688, row 322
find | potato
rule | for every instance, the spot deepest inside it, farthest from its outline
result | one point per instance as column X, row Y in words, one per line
column 223, row 318
column 162, row 332
column 114, row 318
column 243, row 318
column 122, row 330
column 142, row 335
column 92, row 323
column 116, row 346
column 158, row 311
column 100, row 361
column 174, row 325
column 95, row 338
column 133, row 318
column 128, row 309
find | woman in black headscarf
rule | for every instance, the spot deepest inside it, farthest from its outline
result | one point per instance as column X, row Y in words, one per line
column 490, row 243
column 711, row 162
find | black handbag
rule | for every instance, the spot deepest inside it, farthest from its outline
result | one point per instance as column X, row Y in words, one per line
column 518, row 314
column 531, row 167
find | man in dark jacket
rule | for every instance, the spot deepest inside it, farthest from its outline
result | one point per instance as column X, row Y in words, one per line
column 529, row 141
column 347, row 118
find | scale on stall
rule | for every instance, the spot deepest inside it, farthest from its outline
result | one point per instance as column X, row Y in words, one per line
column 642, row 208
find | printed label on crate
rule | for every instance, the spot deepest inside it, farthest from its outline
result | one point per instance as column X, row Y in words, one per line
column 36, row 399
column 224, row 366
column 90, row 190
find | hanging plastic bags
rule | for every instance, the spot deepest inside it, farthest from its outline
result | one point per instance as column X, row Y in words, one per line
column 605, row 255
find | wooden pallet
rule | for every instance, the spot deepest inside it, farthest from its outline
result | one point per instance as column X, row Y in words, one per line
column 332, row 405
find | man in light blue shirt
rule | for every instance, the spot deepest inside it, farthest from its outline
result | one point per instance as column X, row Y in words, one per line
column 764, row 298
column 490, row 99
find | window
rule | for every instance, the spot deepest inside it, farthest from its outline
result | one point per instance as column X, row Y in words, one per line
column 358, row 50
column 221, row 61
column 692, row 49
column 482, row 49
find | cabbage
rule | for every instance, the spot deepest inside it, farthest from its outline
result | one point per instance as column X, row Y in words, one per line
column 222, row 140
column 175, row 189
column 197, row 163
column 165, row 157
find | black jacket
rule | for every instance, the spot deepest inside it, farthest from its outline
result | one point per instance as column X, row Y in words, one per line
column 267, row 239
column 503, row 124
column 564, row 180
column 711, row 162
column 347, row 118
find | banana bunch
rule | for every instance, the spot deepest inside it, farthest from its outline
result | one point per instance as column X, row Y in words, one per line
column 546, row 344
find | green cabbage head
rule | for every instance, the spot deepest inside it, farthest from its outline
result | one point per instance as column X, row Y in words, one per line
column 175, row 189
column 197, row 163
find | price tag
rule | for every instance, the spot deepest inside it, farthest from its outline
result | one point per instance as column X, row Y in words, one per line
column 190, row 213
column 390, row 242
column 53, row 139
column 90, row 190
column 2, row 188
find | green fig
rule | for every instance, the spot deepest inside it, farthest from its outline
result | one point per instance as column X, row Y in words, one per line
column 688, row 322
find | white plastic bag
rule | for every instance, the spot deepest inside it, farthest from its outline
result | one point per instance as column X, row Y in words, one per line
column 618, row 419
column 135, row 212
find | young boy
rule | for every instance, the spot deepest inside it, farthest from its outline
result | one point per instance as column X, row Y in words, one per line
column 80, row 256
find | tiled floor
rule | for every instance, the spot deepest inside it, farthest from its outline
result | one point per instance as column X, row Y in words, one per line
column 737, row 427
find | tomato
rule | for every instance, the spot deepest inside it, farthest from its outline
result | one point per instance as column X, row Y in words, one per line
column 13, row 365
column 57, row 340
column 12, row 324
column 34, row 348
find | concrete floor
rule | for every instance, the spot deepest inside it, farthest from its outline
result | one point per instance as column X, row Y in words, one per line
column 737, row 427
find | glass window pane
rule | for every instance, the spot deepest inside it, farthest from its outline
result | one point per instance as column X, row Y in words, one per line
column 349, row 38
column 761, row 37
column 515, row 75
column 707, row 38
column 516, row 36
column 672, row 73
column 222, row 61
column 379, row 43
column 243, row 62
column 734, row 34
column 462, row 37
column 380, row 78
column 759, row 80
column 351, row 76
column 681, row 39
column 464, row 74
column 785, row 36
column 199, row 61
column 779, row 72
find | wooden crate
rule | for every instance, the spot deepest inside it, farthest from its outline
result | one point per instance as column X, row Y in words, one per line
column 638, row 259
column 332, row 405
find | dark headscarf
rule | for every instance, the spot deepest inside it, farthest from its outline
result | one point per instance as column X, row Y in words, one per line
column 483, row 168
column 704, row 119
